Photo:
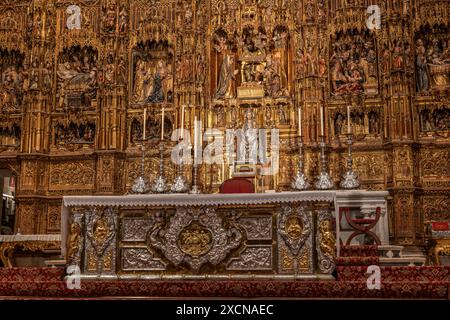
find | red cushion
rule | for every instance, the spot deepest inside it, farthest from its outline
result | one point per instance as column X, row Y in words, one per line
column 237, row 185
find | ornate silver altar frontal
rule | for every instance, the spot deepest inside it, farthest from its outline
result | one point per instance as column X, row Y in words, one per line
column 100, row 250
column 243, row 236
column 295, row 240
column 325, row 242
column 195, row 236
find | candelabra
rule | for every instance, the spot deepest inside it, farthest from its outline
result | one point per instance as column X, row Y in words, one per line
column 300, row 181
column 140, row 185
column 324, row 181
column 160, row 183
column 351, row 180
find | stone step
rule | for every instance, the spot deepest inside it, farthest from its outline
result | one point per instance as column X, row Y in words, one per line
column 403, row 261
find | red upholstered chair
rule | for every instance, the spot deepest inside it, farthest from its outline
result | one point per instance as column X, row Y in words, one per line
column 237, row 185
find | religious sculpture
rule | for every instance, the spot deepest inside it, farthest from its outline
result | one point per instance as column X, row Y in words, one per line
column 75, row 91
column 226, row 77
column 152, row 77
column 421, row 65
column 109, row 18
column 353, row 65
column 74, row 134
column 11, row 81
column 77, row 78
column 109, row 71
column 159, row 86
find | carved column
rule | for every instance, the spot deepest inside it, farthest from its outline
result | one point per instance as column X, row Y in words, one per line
column 115, row 30
column 396, row 43
column 311, row 89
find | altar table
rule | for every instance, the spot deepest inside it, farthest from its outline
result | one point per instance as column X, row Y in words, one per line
column 214, row 236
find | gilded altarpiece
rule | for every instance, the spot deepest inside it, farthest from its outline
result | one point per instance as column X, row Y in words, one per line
column 77, row 76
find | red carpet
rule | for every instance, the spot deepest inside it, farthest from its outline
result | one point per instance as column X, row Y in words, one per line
column 397, row 283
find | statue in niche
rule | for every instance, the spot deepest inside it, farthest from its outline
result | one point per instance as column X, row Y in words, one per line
column 278, row 58
column 374, row 123
column 34, row 75
column 47, row 76
column 201, row 68
column 309, row 9
column 338, row 124
column 184, row 71
column 136, row 131
column 123, row 20
column 77, row 77
column 109, row 18
column 322, row 64
column 282, row 115
column 321, row 16
column 251, row 138
column 122, row 71
column 226, row 76
column 358, row 122
column 398, row 56
column 109, row 71
column 385, row 59
column 310, row 63
column 421, row 66
column 299, row 64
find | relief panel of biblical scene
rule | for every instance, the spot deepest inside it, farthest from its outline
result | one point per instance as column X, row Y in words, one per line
column 434, row 119
column 152, row 73
column 10, row 136
column 433, row 60
column 353, row 64
column 252, row 62
column 153, row 128
column 13, row 82
column 77, row 78
column 363, row 122
column 74, row 135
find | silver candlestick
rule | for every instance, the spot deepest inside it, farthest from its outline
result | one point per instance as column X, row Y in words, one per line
column 160, row 183
column 195, row 187
column 140, row 185
column 324, row 181
column 180, row 184
column 351, row 180
column 300, row 181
